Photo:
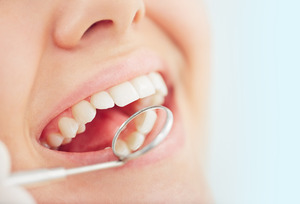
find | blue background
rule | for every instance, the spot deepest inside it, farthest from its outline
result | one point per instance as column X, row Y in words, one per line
column 255, row 116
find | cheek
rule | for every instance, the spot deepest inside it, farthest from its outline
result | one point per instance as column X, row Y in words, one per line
column 186, row 24
column 22, row 39
column 18, row 60
column 21, row 47
column 184, row 21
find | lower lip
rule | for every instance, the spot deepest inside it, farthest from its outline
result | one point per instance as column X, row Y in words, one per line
column 172, row 143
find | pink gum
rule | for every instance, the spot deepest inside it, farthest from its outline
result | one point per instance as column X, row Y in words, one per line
column 52, row 127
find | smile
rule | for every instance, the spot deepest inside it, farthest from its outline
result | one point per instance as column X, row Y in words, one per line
column 80, row 128
column 142, row 91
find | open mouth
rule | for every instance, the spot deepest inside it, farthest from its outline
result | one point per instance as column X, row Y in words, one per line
column 90, row 124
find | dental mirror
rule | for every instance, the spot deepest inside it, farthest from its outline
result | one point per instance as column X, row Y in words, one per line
column 143, row 131
column 139, row 134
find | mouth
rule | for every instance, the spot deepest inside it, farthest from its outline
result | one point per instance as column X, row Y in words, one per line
column 82, row 132
column 90, row 124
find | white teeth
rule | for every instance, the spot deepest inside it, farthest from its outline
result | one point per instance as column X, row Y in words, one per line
column 123, row 94
column 158, row 99
column 68, row 127
column 54, row 139
column 135, row 140
column 81, row 128
column 102, row 100
column 158, row 83
column 143, row 86
column 145, row 122
column 150, row 88
column 121, row 148
column 83, row 112
column 67, row 141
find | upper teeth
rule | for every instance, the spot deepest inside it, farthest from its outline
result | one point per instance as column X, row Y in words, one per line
column 143, row 86
column 102, row 100
column 68, row 127
column 123, row 94
column 83, row 112
column 158, row 83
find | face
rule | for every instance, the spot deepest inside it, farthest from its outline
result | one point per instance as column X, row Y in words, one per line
column 70, row 70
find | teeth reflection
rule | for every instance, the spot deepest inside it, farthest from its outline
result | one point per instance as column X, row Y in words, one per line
column 135, row 140
column 122, row 148
column 145, row 122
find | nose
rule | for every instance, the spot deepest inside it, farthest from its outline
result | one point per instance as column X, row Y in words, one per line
column 76, row 17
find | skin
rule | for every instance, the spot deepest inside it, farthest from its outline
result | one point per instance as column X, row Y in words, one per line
column 52, row 39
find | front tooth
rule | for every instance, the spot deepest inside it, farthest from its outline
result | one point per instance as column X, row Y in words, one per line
column 121, row 148
column 68, row 127
column 123, row 94
column 54, row 139
column 83, row 112
column 158, row 83
column 145, row 122
column 102, row 100
column 135, row 140
column 143, row 86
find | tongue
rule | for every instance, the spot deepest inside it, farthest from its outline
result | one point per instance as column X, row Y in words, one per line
column 99, row 133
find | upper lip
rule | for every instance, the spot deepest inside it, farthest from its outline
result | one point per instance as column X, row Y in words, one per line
column 118, row 70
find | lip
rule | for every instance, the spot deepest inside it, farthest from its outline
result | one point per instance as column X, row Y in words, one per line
column 121, row 69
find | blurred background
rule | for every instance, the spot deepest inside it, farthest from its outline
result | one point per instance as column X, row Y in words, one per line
column 255, row 122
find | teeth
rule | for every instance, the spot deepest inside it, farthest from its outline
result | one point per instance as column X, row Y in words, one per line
column 135, row 140
column 122, row 148
column 83, row 112
column 67, row 141
column 123, row 94
column 150, row 88
column 102, row 100
column 145, row 122
column 158, row 83
column 143, row 86
column 81, row 128
column 156, row 99
column 54, row 139
column 68, row 127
